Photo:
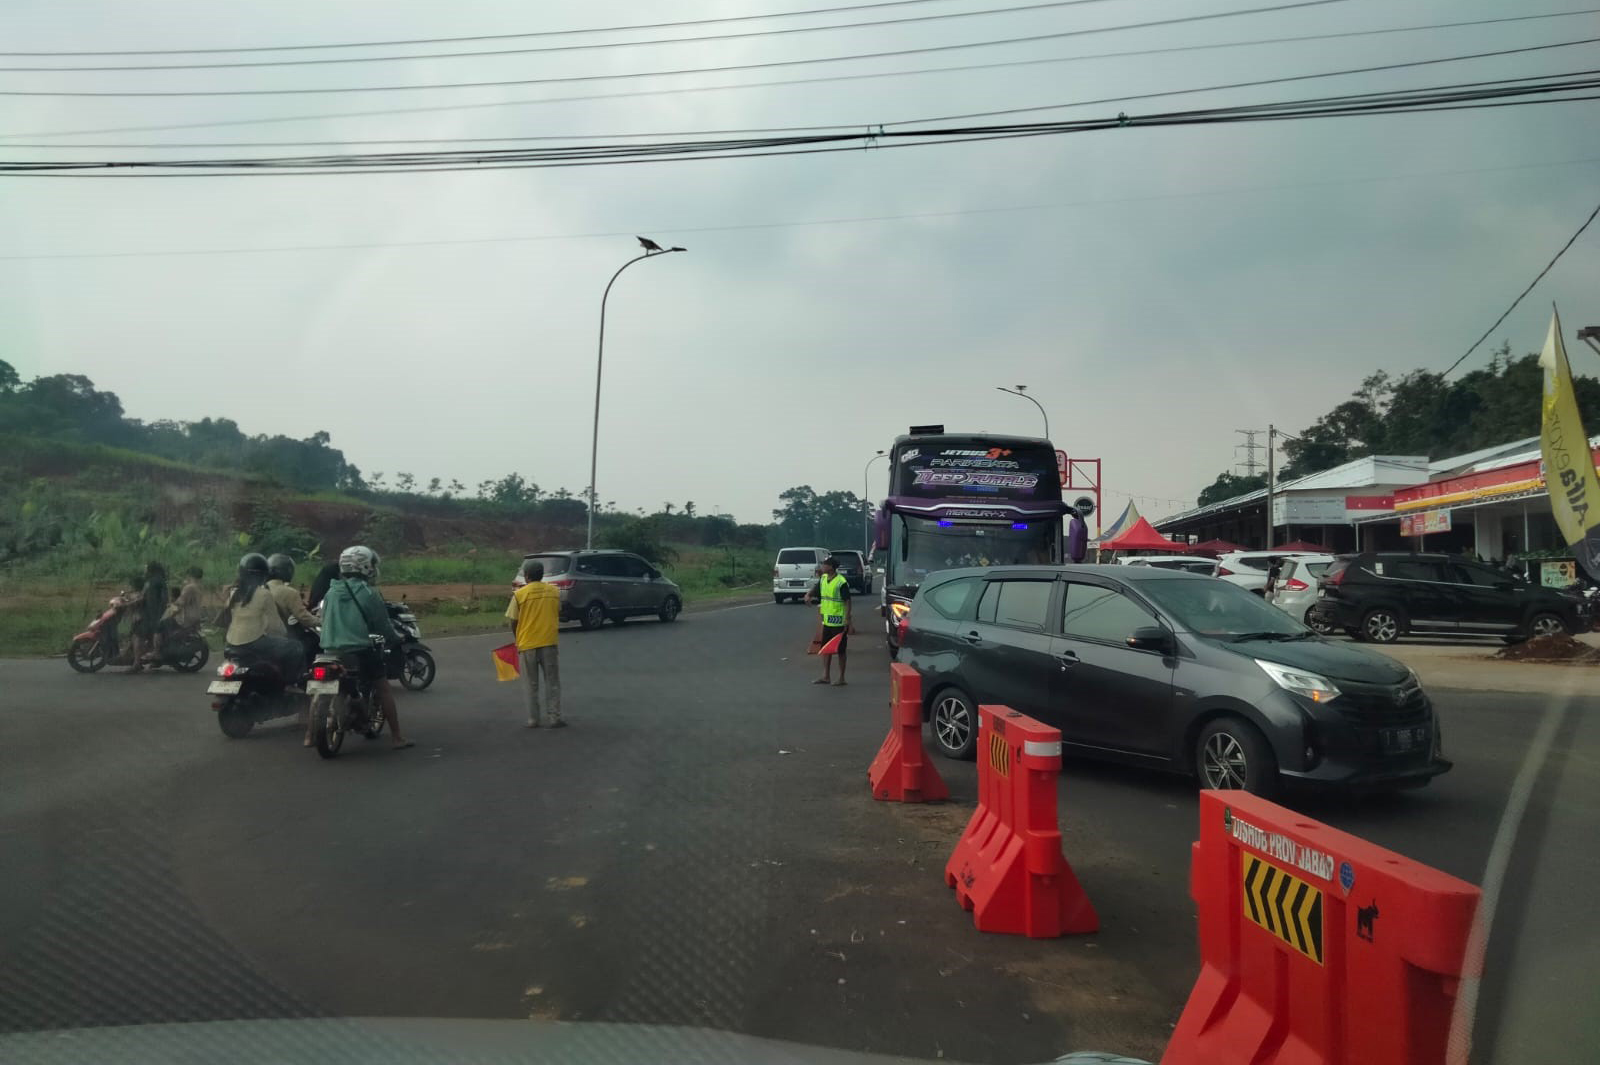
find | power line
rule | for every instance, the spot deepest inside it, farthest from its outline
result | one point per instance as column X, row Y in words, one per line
column 730, row 68
column 1547, row 267
column 919, row 216
column 490, row 36
column 1510, row 92
column 717, row 88
column 607, row 45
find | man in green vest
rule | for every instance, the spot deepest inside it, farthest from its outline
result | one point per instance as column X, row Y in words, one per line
column 833, row 595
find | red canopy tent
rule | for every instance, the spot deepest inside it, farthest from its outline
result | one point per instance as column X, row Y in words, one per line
column 1142, row 536
column 1215, row 548
column 1301, row 545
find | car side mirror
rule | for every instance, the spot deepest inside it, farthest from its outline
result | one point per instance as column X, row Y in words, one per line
column 1151, row 638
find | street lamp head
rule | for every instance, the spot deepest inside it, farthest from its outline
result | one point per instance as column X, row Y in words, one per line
column 677, row 249
column 649, row 245
column 1022, row 388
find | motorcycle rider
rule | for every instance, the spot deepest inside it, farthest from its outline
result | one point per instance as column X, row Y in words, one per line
column 152, row 603
column 280, row 571
column 255, row 623
column 350, row 611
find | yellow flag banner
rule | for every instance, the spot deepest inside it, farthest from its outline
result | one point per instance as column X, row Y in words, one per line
column 1568, row 462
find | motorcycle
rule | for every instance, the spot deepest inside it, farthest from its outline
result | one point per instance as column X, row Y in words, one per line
column 98, row 646
column 250, row 691
column 416, row 662
column 342, row 701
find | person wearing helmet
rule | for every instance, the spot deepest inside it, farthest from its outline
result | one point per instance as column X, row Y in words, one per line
column 255, row 624
column 280, row 571
column 351, row 611
column 153, row 599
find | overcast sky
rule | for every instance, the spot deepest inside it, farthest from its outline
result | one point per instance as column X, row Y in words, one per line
column 1155, row 289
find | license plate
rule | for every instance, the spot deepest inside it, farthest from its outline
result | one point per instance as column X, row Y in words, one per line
column 322, row 687
column 224, row 687
column 797, row 584
column 1400, row 740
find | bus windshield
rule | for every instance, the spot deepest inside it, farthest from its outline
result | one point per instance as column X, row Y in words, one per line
column 921, row 546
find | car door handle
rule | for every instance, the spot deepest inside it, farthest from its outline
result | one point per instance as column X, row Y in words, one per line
column 1067, row 659
column 973, row 638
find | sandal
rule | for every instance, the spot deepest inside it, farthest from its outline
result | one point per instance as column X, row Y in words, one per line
column 403, row 746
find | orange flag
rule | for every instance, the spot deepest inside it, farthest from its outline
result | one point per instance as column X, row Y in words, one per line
column 506, row 662
column 832, row 646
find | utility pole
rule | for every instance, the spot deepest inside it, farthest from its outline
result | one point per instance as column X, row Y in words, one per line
column 1249, row 447
column 1272, row 435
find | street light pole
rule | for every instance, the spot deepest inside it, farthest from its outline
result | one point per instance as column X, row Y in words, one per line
column 866, row 509
column 651, row 250
column 1022, row 390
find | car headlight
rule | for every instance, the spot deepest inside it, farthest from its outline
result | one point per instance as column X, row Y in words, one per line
column 1313, row 686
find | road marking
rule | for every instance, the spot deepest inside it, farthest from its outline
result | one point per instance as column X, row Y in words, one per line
column 1283, row 904
column 1494, row 876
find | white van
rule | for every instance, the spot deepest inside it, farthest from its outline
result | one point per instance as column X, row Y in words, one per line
column 794, row 574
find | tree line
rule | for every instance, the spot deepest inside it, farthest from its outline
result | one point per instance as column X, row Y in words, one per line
column 1420, row 413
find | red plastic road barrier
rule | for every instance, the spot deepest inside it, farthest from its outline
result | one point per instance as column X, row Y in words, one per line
column 1316, row 946
column 901, row 772
column 1007, row 867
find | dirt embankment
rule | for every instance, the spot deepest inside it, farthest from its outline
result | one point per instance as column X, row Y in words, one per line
column 1561, row 648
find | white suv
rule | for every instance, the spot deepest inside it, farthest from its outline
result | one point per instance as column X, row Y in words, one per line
column 795, row 572
column 1248, row 569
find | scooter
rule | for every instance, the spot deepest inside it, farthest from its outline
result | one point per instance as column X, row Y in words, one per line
column 98, row 646
column 250, row 690
column 342, row 702
column 416, row 662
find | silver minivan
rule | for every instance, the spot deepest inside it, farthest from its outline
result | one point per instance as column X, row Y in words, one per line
column 794, row 573
column 600, row 585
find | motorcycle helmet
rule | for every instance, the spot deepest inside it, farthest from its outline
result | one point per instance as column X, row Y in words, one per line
column 280, row 567
column 358, row 561
column 254, row 562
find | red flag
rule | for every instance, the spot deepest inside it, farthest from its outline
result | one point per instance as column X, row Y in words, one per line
column 832, row 646
column 507, row 666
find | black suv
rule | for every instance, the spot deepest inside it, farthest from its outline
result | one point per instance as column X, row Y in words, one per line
column 853, row 568
column 1381, row 596
column 1166, row 669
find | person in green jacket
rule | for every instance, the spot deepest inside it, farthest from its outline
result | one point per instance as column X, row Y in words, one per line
column 353, row 612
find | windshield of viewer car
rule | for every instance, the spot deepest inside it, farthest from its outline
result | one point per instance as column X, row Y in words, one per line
column 1217, row 608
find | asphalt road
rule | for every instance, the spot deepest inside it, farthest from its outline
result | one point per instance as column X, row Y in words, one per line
column 698, row 849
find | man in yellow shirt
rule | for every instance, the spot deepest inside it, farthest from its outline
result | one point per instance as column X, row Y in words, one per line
column 534, row 613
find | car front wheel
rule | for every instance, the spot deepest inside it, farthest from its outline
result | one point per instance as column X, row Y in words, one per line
column 1546, row 625
column 1232, row 755
column 954, row 720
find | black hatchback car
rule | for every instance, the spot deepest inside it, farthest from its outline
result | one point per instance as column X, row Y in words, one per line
column 1166, row 669
column 1381, row 596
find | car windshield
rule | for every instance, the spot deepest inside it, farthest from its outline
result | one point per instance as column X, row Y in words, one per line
column 1217, row 608
column 797, row 558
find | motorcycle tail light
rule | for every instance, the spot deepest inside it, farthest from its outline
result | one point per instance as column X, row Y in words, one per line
column 226, row 671
column 319, row 672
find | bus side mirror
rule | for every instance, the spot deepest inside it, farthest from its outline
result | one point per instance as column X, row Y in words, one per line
column 880, row 531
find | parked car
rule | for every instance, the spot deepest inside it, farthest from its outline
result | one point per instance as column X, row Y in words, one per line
column 1294, row 590
column 1381, row 596
column 1167, row 669
column 795, row 572
column 1187, row 563
column 599, row 585
column 853, row 568
column 1249, row 569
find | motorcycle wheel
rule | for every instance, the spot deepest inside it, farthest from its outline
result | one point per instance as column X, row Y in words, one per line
column 194, row 662
column 416, row 672
column 234, row 719
column 87, row 655
column 328, row 725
